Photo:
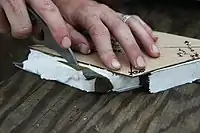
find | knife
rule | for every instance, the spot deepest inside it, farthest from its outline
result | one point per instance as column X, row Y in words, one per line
column 48, row 41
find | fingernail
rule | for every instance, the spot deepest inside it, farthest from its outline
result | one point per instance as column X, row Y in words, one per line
column 155, row 39
column 66, row 43
column 155, row 49
column 84, row 48
column 140, row 62
column 154, row 35
column 116, row 64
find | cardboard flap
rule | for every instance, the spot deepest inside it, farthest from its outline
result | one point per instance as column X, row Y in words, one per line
column 174, row 50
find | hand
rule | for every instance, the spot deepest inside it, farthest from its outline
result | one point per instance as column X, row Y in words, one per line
column 14, row 17
column 102, row 22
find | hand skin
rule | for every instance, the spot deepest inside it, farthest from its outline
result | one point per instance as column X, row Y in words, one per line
column 102, row 22
column 63, row 16
column 14, row 18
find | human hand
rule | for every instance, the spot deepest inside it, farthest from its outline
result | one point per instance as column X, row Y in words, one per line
column 14, row 18
column 102, row 22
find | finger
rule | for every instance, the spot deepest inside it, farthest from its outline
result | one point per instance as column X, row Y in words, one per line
column 101, row 38
column 18, row 17
column 144, row 38
column 89, row 39
column 4, row 26
column 147, row 28
column 123, row 34
column 79, row 42
column 48, row 11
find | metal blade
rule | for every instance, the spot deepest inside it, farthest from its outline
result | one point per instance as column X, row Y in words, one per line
column 48, row 40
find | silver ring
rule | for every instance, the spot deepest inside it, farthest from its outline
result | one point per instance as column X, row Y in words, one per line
column 124, row 18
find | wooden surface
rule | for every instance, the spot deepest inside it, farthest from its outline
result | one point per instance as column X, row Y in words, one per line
column 31, row 105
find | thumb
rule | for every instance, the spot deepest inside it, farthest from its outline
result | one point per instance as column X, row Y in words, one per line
column 54, row 20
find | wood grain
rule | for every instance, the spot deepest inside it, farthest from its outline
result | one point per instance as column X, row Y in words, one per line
column 31, row 105
column 47, row 107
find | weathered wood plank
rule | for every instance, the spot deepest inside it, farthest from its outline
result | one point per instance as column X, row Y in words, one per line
column 56, row 108
column 17, row 89
column 16, row 92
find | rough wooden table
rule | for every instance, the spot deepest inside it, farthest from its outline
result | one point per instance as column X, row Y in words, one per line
column 31, row 105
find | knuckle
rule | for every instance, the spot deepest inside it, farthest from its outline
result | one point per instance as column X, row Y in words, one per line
column 103, row 6
column 131, row 44
column 92, row 28
column 106, row 54
column 136, row 18
column 60, row 31
column 95, row 30
column 49, row 6
column 13, row 4
column 118, row 25
column 83, row 16
column 105, row 16
column 10, row 2
column 82, row 9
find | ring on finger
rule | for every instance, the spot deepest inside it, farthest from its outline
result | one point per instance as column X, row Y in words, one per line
column 124, row 18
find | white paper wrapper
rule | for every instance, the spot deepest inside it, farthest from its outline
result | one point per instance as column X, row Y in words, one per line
column 49, row 68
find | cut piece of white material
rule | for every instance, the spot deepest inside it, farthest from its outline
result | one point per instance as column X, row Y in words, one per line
column 173, row 76
column 50, row 68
